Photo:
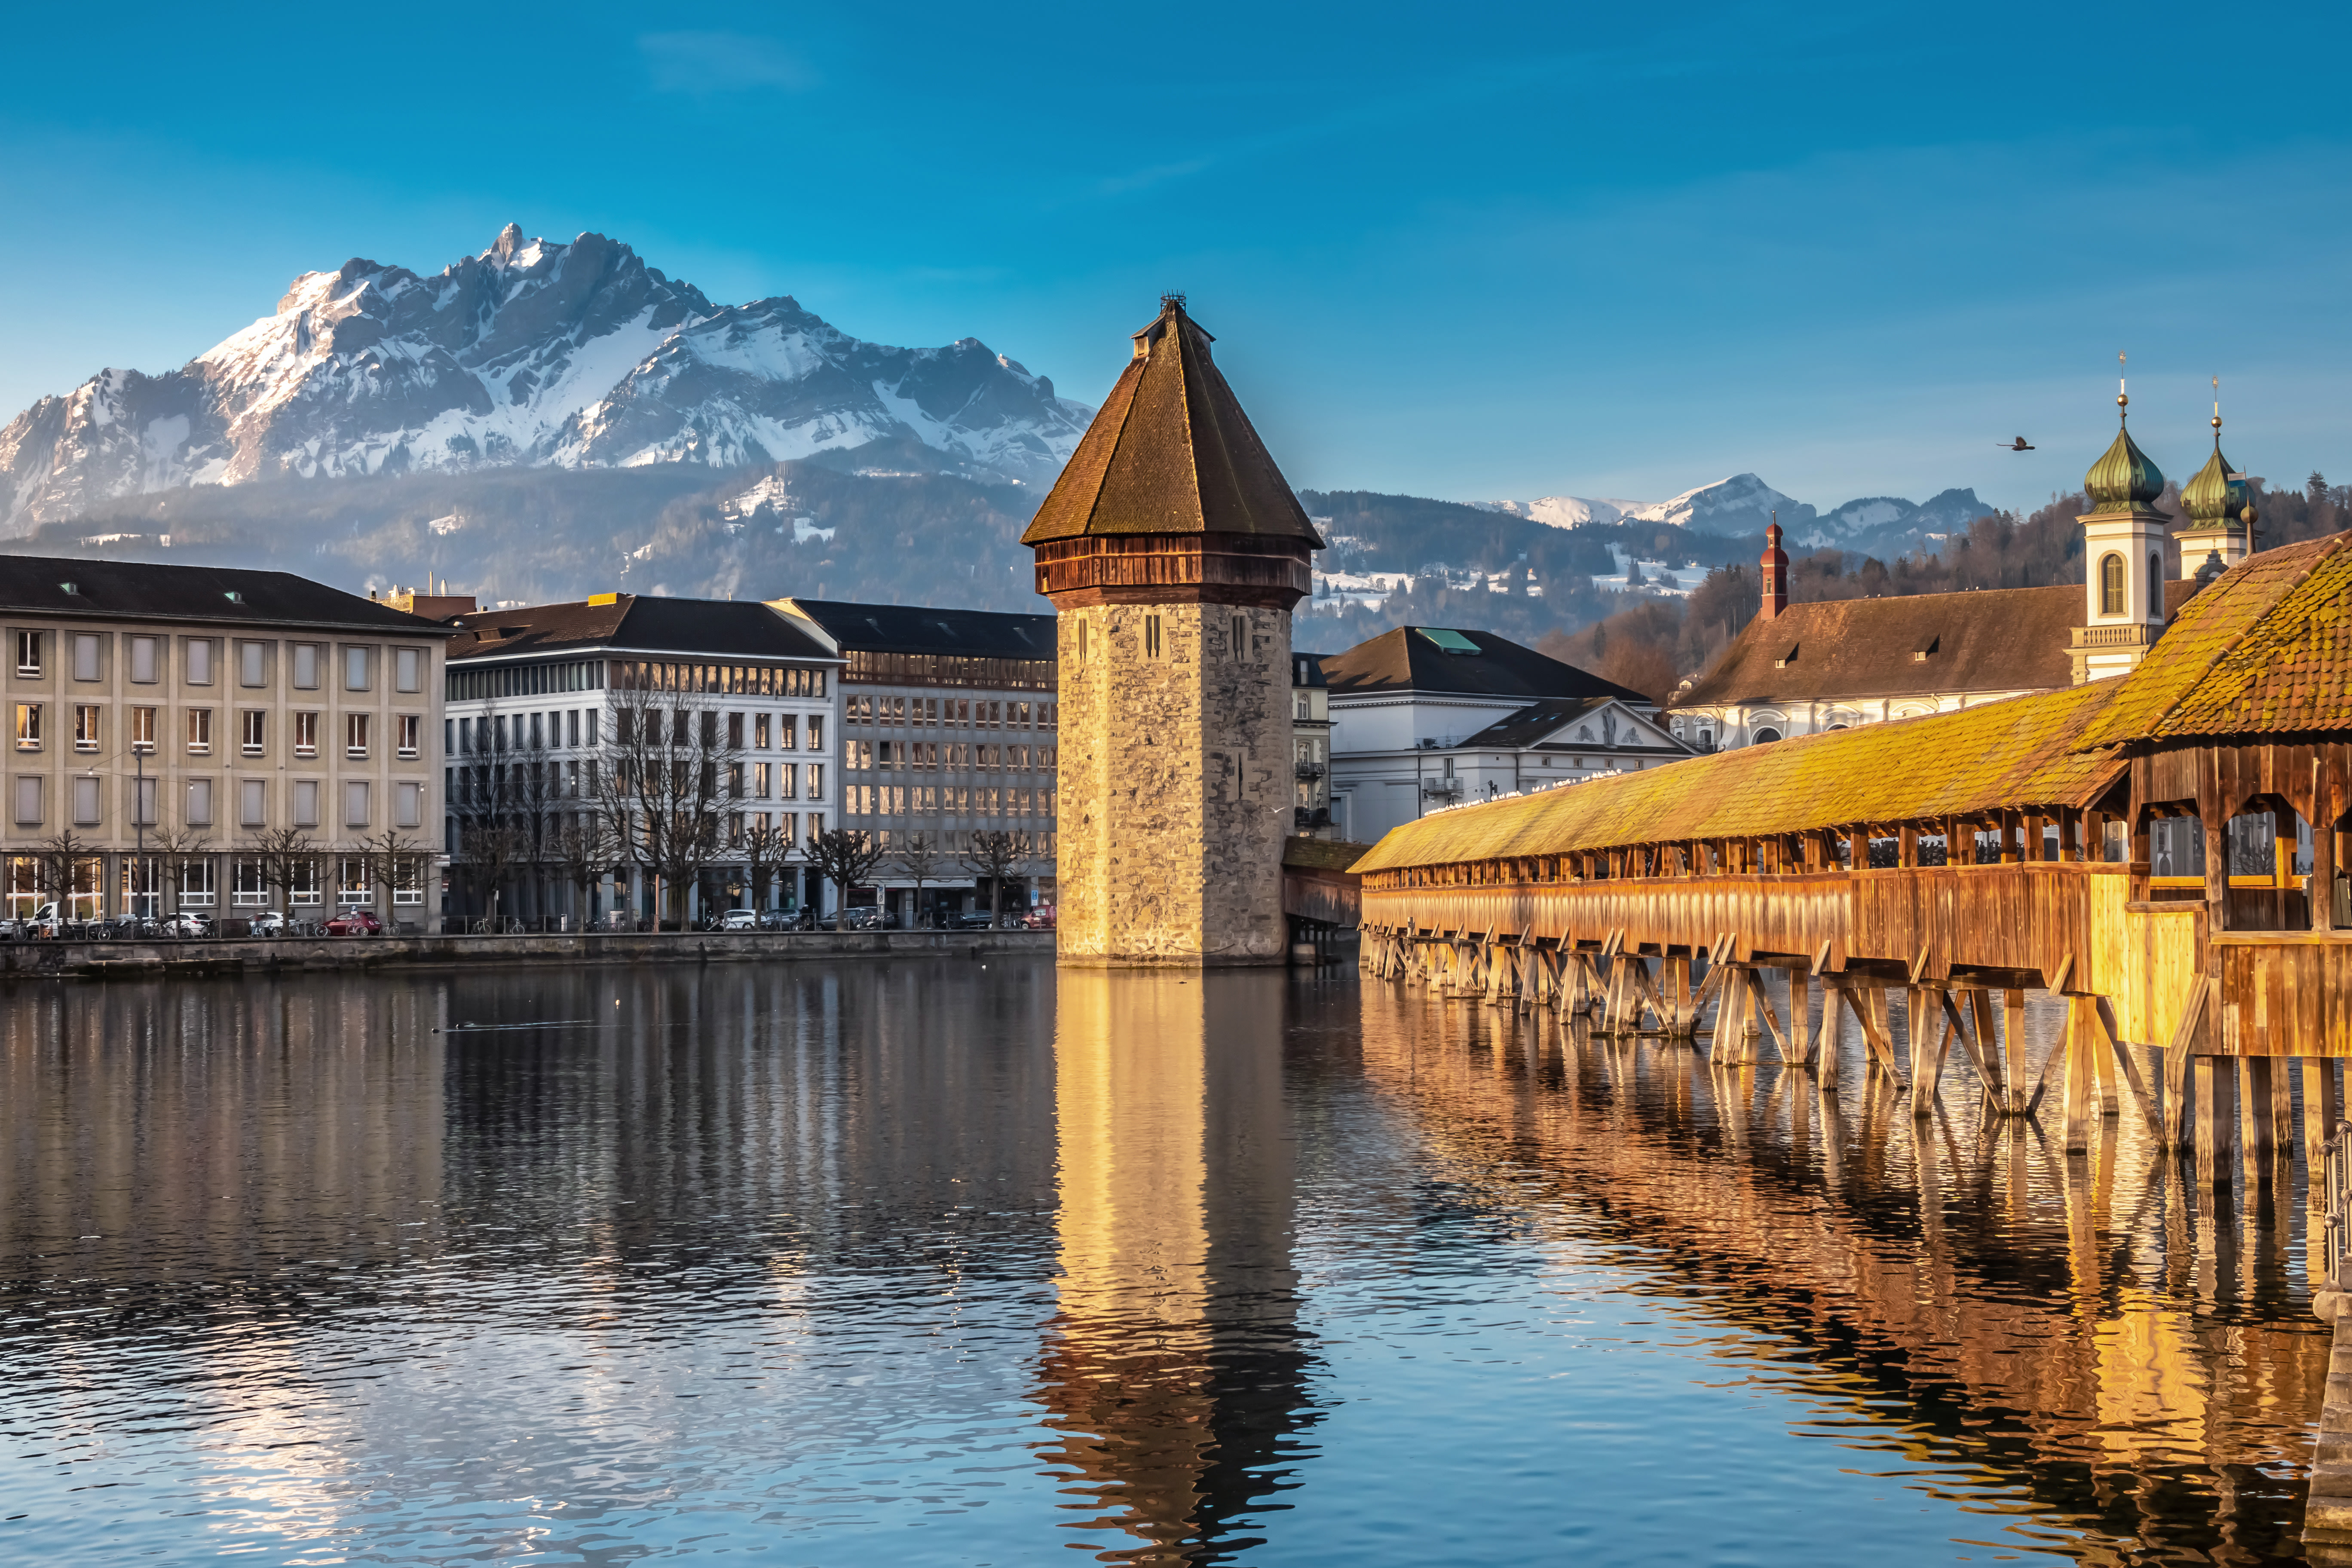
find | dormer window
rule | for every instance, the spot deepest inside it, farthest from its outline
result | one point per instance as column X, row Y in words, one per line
column 1788, row 658
column 1927, row 646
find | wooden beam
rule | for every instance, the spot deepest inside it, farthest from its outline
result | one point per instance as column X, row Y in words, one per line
column 2102, row 1016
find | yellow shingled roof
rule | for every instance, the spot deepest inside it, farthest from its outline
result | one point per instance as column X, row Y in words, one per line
column 2002, row 756
column 2267, row 649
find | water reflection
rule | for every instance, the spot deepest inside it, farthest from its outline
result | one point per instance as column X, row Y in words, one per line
column 2087, row 1344
column 941, row 1263
column 1174, row 1369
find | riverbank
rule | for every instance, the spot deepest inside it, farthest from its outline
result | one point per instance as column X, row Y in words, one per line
column 147, row 960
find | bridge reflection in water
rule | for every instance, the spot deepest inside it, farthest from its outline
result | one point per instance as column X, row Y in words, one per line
column 2126, row 1366
column 1173, row 1367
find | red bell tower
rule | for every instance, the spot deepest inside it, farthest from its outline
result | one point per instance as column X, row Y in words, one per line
column 1776, row 572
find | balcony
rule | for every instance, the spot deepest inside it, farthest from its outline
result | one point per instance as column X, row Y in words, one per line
column 1310, row 771
column 1442, row 788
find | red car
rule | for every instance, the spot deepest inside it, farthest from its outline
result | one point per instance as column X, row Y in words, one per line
column 1039, row 919
column 355, row 922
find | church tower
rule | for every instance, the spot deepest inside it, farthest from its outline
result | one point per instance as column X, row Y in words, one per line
column 2124, row 538
column 2221, row 509
column 1173, row 551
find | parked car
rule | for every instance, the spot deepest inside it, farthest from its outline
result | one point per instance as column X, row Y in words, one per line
column 975, row 920
column 1039, row 919
column 270, row 923
column 780, row 920
column 188, row 923
column 355, row 922
column 862, row 917
column 740, row 920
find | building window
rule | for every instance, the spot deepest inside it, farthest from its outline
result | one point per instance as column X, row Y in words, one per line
column 411, row 733
column 355, row 888
column 28, row 802
column 143, row 802
column 85, row 727
column 28, row 726
column 200, row 661
column 196, row 889
column 2111, row 584
column 408, row 804
column 305, row 891
column 249, row 882
column 200, row 731
column 252, row 803
column 408, row 879
column 306, row 803
column 251, row 722
column 407, row 669
column 355, row 669
column 572, row 727
column 143, row 729
column 1765, row 736
column 143, row 883
column 142, row 661
column 1241, row 637
column 735, row 731
column 85, row 801
column 355, row 803
column 591, row 726
column 306, row 734
column 355, row 735
column 816, row 781
column 85, row 656
column 28, row 653
column 2155, row 587
column 1151, row 637
column 200, row 803
column 251, row 663
column 305, row 666
column 816, row 731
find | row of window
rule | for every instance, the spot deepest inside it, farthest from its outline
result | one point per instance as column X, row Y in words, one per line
column 951, row 712
column 196, row 728
column 576, row 780
column 945, row 800
column 91, row 656
column 858, row 755
column 575, row 728
column 525, row 680
column 717, row 679
column 303, row 801
column 1026, row 845
column 948, row 669
column 143, row 879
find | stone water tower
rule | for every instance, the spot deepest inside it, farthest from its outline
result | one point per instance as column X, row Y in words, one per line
column 1173, row 551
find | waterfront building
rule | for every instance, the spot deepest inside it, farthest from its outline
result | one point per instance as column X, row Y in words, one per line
column 948, row 736
column 1310, row 731
column 1173, row 551
column 1807, row 668
column 1423, row 717
column 215, row 740
column 708, row 708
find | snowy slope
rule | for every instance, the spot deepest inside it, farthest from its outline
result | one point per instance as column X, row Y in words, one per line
column 531, row 352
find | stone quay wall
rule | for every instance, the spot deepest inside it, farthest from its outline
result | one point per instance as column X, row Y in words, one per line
column 1175, row 784
column 149, row 960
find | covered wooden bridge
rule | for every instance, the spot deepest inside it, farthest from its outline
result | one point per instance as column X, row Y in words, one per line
column 2161, row 850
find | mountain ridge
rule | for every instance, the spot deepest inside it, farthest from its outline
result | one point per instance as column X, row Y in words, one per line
column 528, row 353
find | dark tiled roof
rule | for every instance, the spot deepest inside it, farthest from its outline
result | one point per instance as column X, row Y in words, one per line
column 1171, row 451
column 727, row 628
column 2267, row 649
column 1997, row 756
column 1407, row 661
column 920, row 628
column 1994, row 639
column 1537, row 723
column 148, row 591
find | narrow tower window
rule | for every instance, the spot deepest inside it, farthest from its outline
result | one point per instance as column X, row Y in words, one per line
column 1151, row 637
column 1241, row 638
column 2155, row 587
column 1082, row 642
column 2111, row 585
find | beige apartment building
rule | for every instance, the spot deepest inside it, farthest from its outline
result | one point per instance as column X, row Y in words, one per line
column 167, row 721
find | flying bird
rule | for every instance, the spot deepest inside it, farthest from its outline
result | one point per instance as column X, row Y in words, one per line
column 2020, row 444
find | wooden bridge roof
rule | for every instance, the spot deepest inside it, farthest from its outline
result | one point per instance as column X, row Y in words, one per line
column 2265, row 650
column 2018, row 754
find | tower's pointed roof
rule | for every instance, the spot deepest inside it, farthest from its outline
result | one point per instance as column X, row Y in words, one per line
column 2124, row 478
column 2214, row 499
column 1171, row 451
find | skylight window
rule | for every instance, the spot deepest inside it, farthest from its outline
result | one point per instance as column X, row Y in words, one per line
column 1451, row 642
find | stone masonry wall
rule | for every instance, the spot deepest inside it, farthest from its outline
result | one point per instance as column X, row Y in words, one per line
column 1175, row 784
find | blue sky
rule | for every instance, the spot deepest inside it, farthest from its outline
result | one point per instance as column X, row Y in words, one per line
column 1459, row 251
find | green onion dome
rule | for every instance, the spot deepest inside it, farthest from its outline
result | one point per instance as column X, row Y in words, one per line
column 2123, row 479
column 2214, row 499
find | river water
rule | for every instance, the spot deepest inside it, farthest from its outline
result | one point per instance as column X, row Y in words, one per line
column 939, row 1262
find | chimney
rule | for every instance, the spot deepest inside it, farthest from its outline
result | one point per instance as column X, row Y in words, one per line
column 1776, row 573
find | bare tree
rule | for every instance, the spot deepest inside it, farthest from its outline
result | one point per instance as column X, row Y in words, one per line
column 56, row 859
column 174, row 849
column 845, row 857
column 288, row 857
column 665, row 767
column 922, row 859
column 769, row 852
column 583, row 847
column 387, row 856
column 994, row 853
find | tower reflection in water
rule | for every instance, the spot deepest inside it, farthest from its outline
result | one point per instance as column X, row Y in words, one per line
column 1174, row 1368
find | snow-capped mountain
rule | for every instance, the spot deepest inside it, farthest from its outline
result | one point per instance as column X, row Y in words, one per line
column 1741, row 504
column 528, row 353
column 1887, row 525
